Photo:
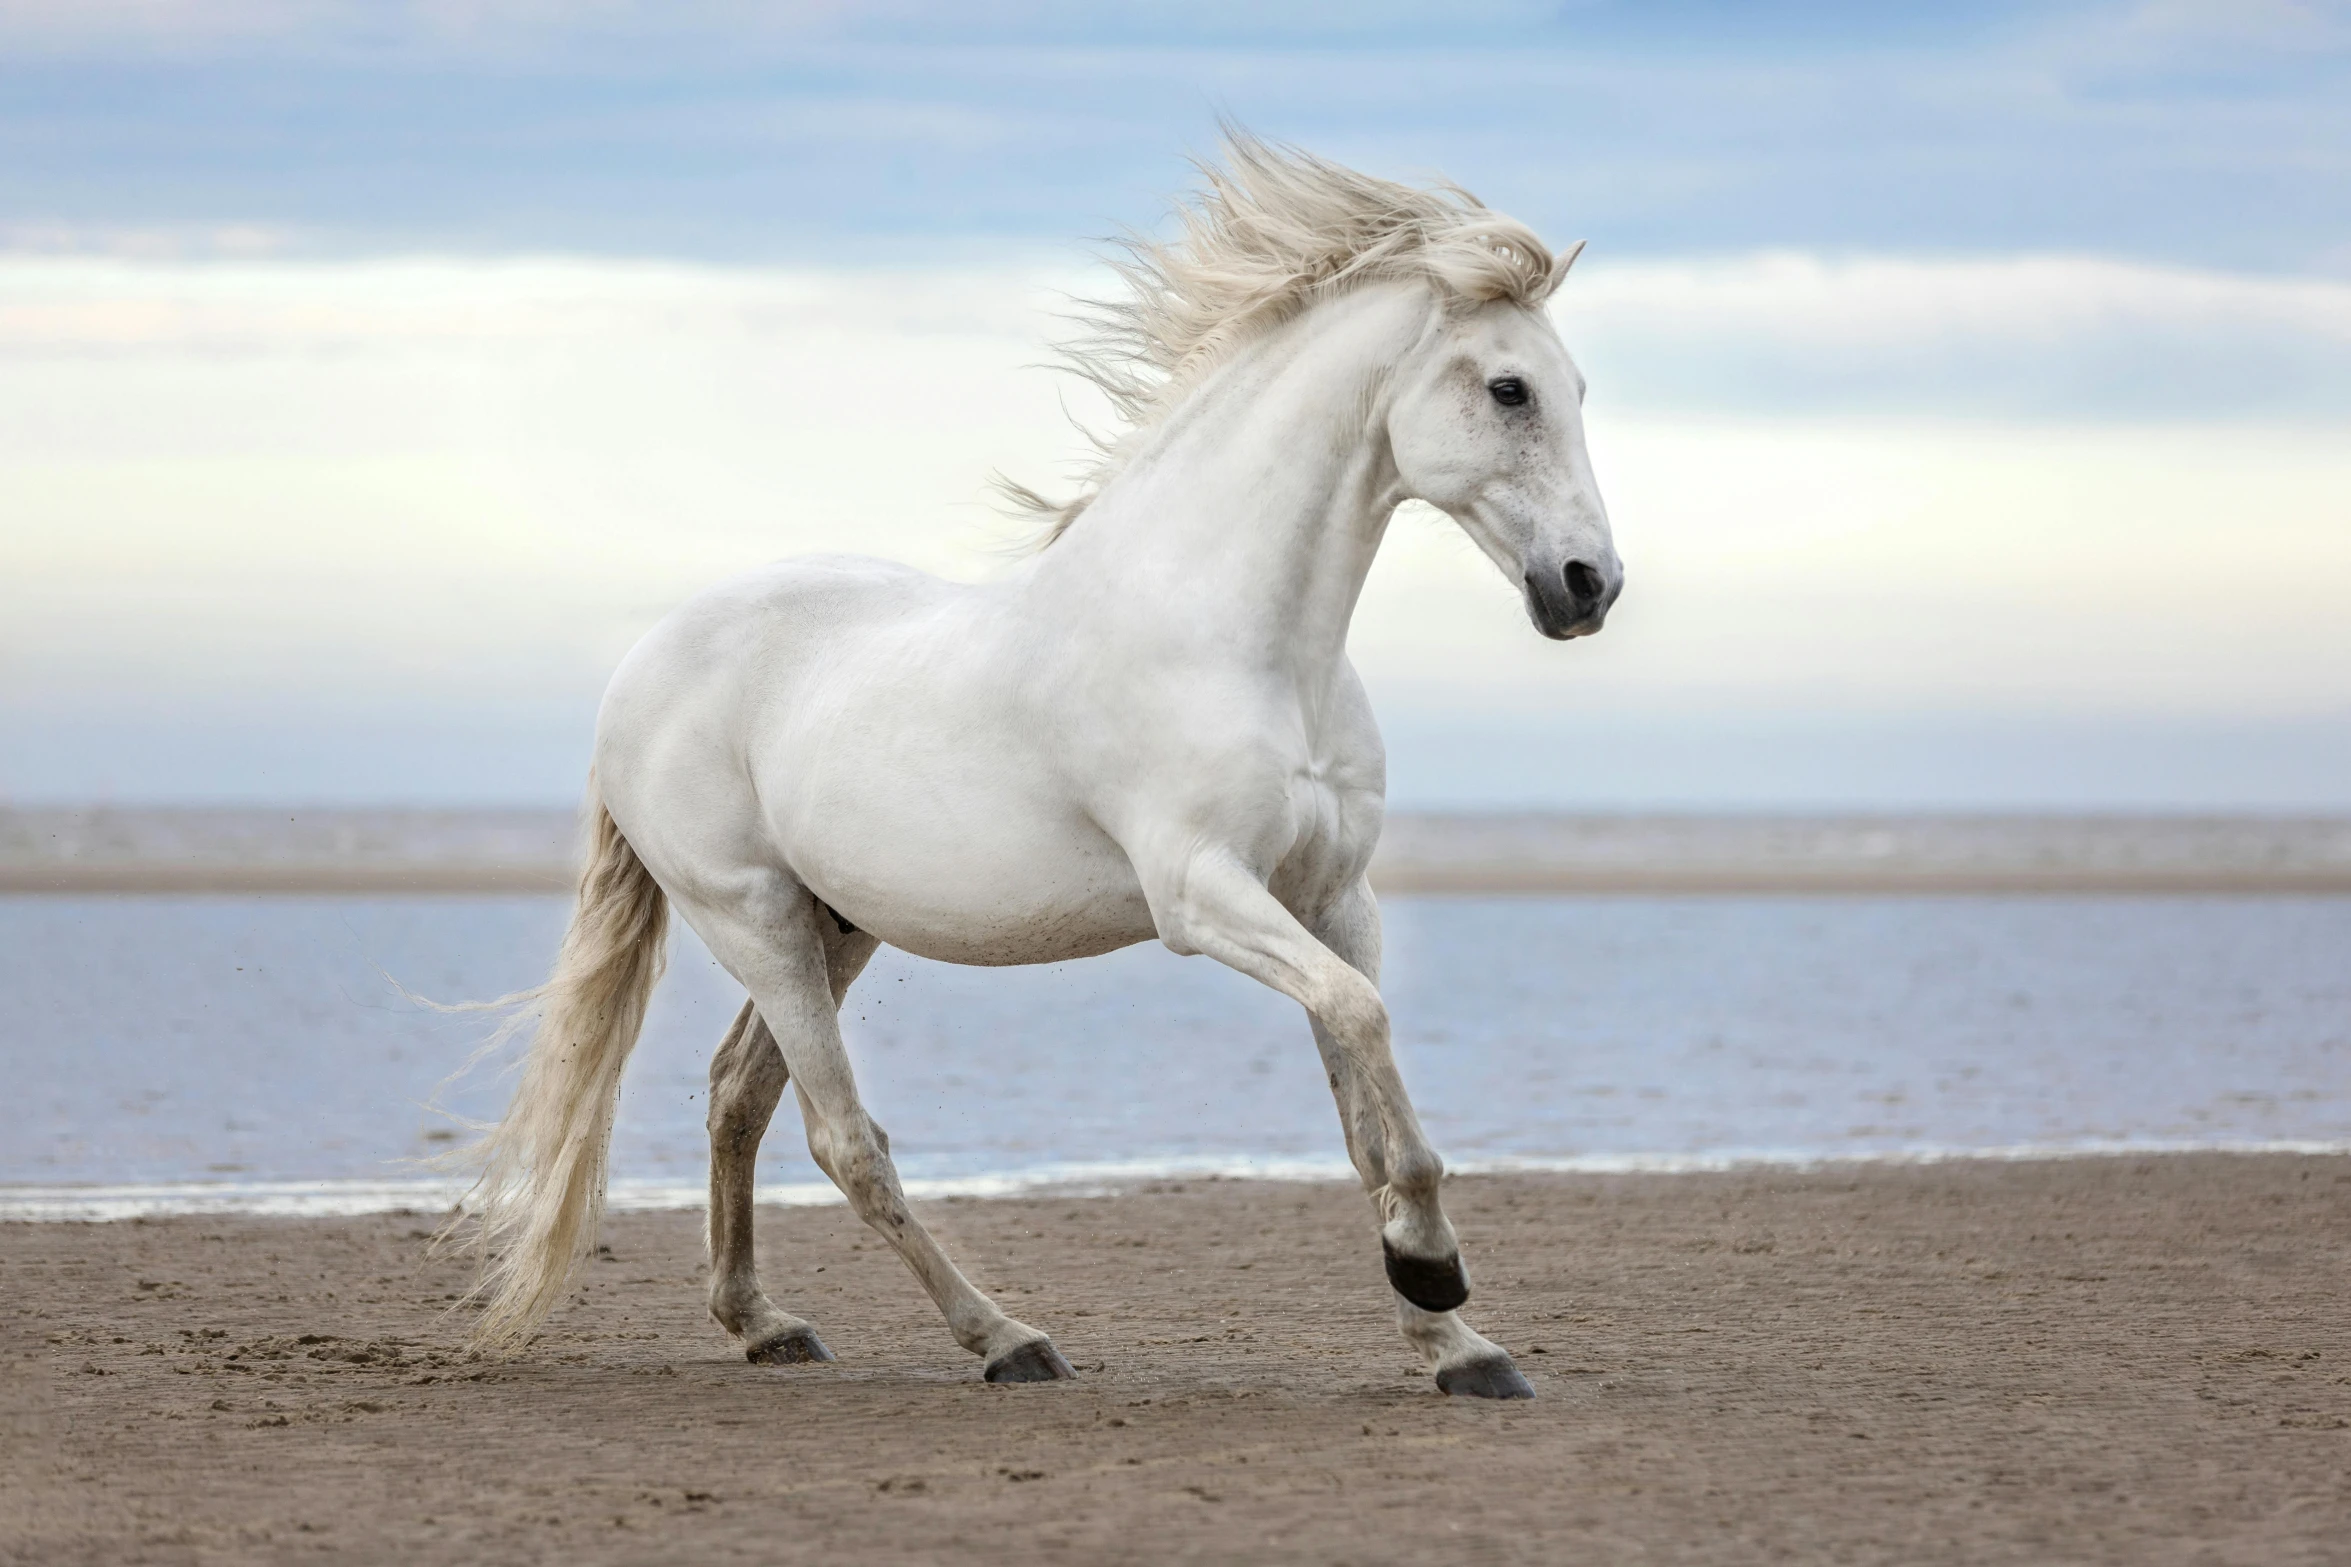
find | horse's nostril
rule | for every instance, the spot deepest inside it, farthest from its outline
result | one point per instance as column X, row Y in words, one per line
column 1583, row 583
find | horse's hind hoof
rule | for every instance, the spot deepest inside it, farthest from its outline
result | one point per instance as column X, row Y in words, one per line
column 792, row 1347
column 1035, row 1361
column 1441, row 1285
column 1493, row 1377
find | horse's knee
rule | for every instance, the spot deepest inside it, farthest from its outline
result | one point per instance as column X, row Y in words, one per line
column 1351, row 1011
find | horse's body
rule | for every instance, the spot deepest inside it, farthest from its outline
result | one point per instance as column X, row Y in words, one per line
column 1148, row 729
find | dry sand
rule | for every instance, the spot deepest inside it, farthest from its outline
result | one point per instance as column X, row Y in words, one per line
column 2105, row 1360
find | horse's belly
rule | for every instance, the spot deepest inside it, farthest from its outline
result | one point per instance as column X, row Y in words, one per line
column 1014, row 890
column 1039, row 934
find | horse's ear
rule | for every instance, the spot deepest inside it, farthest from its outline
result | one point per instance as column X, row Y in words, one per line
column 1565, row 259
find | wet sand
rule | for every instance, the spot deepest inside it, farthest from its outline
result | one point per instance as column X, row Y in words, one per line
column 2101, row 1360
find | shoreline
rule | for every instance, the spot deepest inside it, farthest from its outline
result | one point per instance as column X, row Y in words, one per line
column 2137, row 1360
column 1419, row 880
column 68, row 1202
column 392, row 852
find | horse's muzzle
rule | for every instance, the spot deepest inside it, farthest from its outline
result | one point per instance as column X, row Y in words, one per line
column 1572, row 600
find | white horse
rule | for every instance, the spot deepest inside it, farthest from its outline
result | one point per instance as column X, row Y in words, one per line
column 1148, row 728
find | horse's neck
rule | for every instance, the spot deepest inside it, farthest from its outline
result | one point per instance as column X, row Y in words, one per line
column 1250, row 520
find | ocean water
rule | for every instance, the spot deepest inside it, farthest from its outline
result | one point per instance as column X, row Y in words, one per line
column 246, row 1051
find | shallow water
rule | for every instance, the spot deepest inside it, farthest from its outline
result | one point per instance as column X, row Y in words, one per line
column 169, row 1040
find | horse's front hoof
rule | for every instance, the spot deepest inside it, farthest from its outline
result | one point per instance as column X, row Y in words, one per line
column 1494, row 1376
column 1441, row 1285
column 1035, row 1361
column 792, row 1347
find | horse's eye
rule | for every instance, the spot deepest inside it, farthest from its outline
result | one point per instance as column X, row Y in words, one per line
column 1509, row 391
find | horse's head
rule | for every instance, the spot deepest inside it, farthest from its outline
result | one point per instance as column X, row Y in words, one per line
column 1487, row 425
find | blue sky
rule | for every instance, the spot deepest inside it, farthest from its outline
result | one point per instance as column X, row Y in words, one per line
column 2201, row 134
column 1970, row 383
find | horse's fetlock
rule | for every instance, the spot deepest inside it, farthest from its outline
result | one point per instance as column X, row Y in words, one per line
column 729, row 1300
column 1414, row 1174
column 976, row 1328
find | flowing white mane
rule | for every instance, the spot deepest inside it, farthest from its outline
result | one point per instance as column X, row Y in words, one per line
column 1272, row 231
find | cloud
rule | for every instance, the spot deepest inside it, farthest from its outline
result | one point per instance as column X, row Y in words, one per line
column 2080, row 339
column 2179, row 31
column 410, row 495
column 83, row 305
column 2063, row 337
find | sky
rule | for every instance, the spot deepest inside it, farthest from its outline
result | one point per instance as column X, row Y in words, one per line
column 1970, row 384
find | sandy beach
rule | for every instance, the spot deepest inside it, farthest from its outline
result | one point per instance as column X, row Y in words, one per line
column 2097, row 1360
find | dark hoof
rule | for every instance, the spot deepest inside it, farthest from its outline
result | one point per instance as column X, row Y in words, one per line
column 1432, row 1286
column 1495, row 1378
column 792, row 1347
column 1035, row 1361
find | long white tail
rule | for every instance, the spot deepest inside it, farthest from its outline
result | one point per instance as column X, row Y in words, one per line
column 540, row 1195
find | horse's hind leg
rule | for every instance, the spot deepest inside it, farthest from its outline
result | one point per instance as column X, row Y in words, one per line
column 777, row 946
column 747, row 1079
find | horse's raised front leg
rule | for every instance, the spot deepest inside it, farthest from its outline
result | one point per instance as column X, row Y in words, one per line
column 777, row 947
column 747, row 1079
column 1465, row 1362
column 1216, row 906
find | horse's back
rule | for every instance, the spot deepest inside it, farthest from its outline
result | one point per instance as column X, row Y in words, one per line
column 693, row 681
column 683, row 713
